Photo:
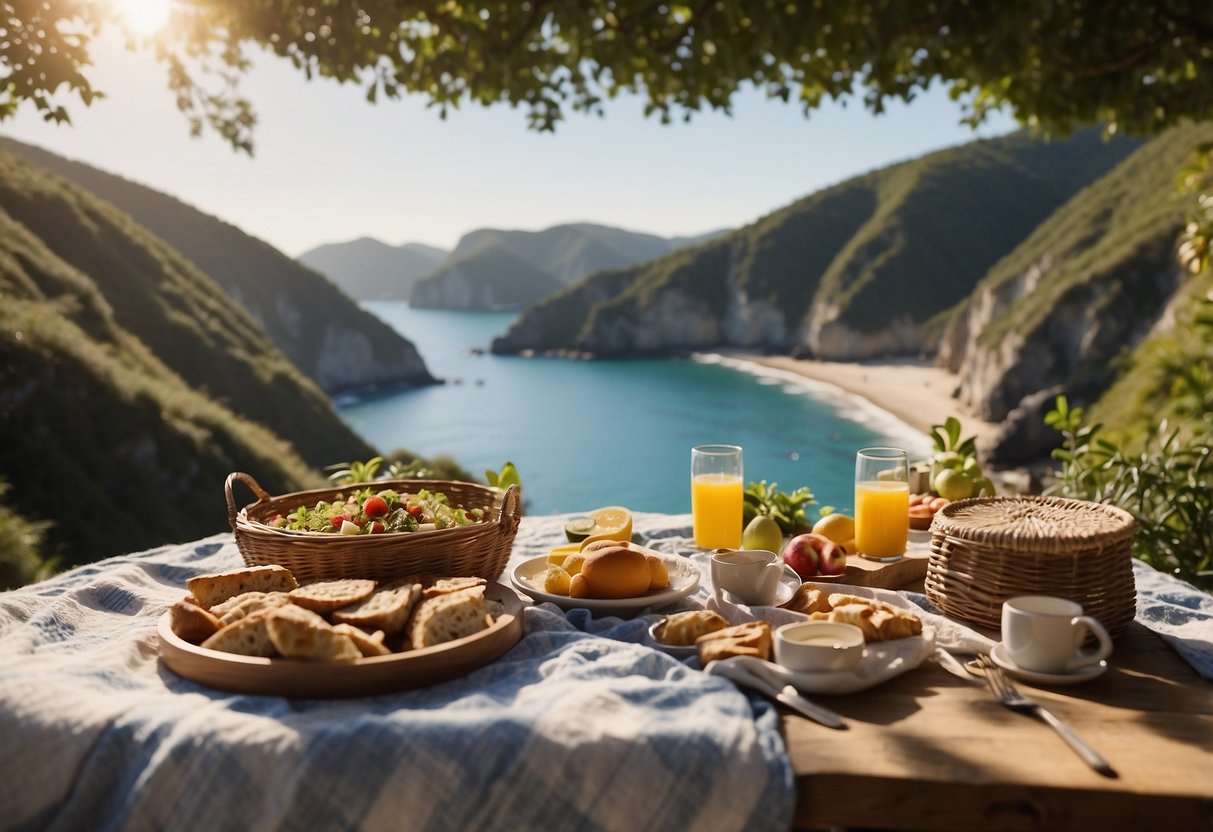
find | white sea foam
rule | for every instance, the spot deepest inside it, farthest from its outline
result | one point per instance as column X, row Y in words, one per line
column 847, row 405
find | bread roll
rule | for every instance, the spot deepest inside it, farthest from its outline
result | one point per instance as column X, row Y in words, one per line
column 214, row 589
column 615, row 571
column 659, row 575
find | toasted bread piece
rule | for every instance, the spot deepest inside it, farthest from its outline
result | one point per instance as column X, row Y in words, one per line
column 260, row 601
column 247, row 637
column 214, row 589
column 445, row 586
column 192, row 623
column 325, row 596
column 368, row 644
column 387, row 609
column 448, row 617
column 224, row 607
column 752, row 638
column 808, row 598
column 299, row 633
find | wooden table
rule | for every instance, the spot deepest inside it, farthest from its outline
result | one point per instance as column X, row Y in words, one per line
column 927, row 751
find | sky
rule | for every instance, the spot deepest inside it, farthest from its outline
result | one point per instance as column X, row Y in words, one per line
column 330, row 167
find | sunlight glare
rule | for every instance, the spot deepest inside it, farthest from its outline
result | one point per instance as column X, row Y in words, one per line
column 146, row 17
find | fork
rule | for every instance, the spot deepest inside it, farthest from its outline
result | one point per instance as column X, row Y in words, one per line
column 1009, row 697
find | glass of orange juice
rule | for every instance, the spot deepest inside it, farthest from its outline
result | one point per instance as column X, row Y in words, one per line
column 716, row 496
column 882, row 503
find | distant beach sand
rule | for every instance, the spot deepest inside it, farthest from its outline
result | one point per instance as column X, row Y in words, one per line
column 916, row 392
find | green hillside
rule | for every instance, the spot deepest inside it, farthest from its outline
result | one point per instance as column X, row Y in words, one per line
column 497, row 280
column 99, row 437
column 833, row 271
column 319, row 329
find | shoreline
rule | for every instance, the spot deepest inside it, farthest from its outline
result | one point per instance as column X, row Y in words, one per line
column 917, row 393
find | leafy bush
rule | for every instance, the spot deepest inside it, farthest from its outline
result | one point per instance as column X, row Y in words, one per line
column 1166, row 484
column 21, row 540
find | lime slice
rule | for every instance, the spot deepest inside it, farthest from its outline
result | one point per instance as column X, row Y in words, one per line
column 578, row 529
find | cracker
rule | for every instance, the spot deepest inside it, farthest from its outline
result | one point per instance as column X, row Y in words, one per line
column 325, row 596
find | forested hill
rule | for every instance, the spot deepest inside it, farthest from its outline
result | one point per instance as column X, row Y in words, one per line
column 858, row 270
column 327, row 336
column 367, row 269
column 132, row 384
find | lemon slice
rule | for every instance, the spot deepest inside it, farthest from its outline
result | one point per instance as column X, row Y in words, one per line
column 611, row 523
column 557, row 555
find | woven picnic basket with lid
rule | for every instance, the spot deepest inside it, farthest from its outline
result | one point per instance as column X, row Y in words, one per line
column 478, row 549
column 989, row 549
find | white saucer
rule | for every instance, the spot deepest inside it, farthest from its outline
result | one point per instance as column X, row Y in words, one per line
column 680, row 651
column 789, row 582
column 1084, row 674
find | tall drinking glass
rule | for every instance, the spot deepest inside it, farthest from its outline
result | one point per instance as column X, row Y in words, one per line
column 882, row 503
column 716, row 496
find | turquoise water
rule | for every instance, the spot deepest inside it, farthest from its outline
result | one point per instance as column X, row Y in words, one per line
column 589, row 434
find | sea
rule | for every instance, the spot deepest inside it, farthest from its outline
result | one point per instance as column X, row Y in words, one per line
column 587, row 434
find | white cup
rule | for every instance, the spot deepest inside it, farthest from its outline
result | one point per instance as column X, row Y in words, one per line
column 750, row 575
column 1045, row 634
column 816, row 646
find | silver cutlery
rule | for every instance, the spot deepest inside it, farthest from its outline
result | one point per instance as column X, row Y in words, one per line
column 1009, row 697
column 741, row 673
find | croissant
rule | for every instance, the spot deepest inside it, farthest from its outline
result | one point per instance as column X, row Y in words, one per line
column 808, row 599
column 683, row 628
column 878, row 621
column 750, row 639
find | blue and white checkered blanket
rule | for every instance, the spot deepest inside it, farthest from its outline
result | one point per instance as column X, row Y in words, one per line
column 578, row 726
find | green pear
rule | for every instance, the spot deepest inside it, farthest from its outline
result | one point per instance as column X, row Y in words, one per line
column 762, row 533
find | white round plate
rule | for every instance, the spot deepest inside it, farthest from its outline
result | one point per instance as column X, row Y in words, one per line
column 1085, row 674
column 684, row 579
column 680, row 651
column 789, row 582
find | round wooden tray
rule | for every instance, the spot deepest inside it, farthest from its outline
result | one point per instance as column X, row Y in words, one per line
column 366, row 677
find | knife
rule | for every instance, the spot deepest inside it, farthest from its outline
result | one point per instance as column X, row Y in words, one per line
column 739, row 672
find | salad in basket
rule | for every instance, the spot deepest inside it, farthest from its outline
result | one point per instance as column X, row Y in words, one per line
column 367, row 511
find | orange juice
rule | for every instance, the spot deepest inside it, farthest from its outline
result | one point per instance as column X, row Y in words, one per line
column 882, row 518
column 716, row 510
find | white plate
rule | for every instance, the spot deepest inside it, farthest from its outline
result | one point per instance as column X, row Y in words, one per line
column 789, row 582
column 684, row 579
column 1085, row 674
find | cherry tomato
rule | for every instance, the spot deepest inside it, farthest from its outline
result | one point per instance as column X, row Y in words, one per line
column 337, row 521
column 375, row 506
column 376, row 527
column 416, row 511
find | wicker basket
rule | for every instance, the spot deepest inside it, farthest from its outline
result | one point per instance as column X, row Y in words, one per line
column 986, row 550
column 479, row 549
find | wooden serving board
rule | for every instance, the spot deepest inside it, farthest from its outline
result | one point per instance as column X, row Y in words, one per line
column 911, row 569
column 299, row 679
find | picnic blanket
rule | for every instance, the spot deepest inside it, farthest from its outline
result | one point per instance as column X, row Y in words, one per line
column 578, row 726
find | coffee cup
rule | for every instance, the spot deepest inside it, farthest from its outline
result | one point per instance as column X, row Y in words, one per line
column 1045, row 634
column 749, row 575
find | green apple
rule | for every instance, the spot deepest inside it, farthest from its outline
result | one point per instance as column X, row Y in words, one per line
column 954, row 485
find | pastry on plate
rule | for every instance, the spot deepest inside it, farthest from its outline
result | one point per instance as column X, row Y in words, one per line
column 752, row 638
column 683, row 628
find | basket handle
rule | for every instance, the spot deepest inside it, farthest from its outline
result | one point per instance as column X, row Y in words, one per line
column 511, row 507
column 247, row 479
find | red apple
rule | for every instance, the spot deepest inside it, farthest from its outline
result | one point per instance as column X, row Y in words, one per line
column 806, row 552
column 832, row 560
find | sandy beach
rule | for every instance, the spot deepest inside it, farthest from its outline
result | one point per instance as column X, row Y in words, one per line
column 916, row 392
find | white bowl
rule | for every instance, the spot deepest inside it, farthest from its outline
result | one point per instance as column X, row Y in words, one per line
column 816, row 646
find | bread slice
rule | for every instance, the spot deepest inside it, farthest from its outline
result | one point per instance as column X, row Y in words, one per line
column 368, row 644
column 247, row 637
column 448, row 617
column 298, row 633
column 683, row 628
column 388, row 609
column 445, row 586
column 214, row 589
column 253, row 602
column 325, row 596
column 224, row 607
column 192, row 623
